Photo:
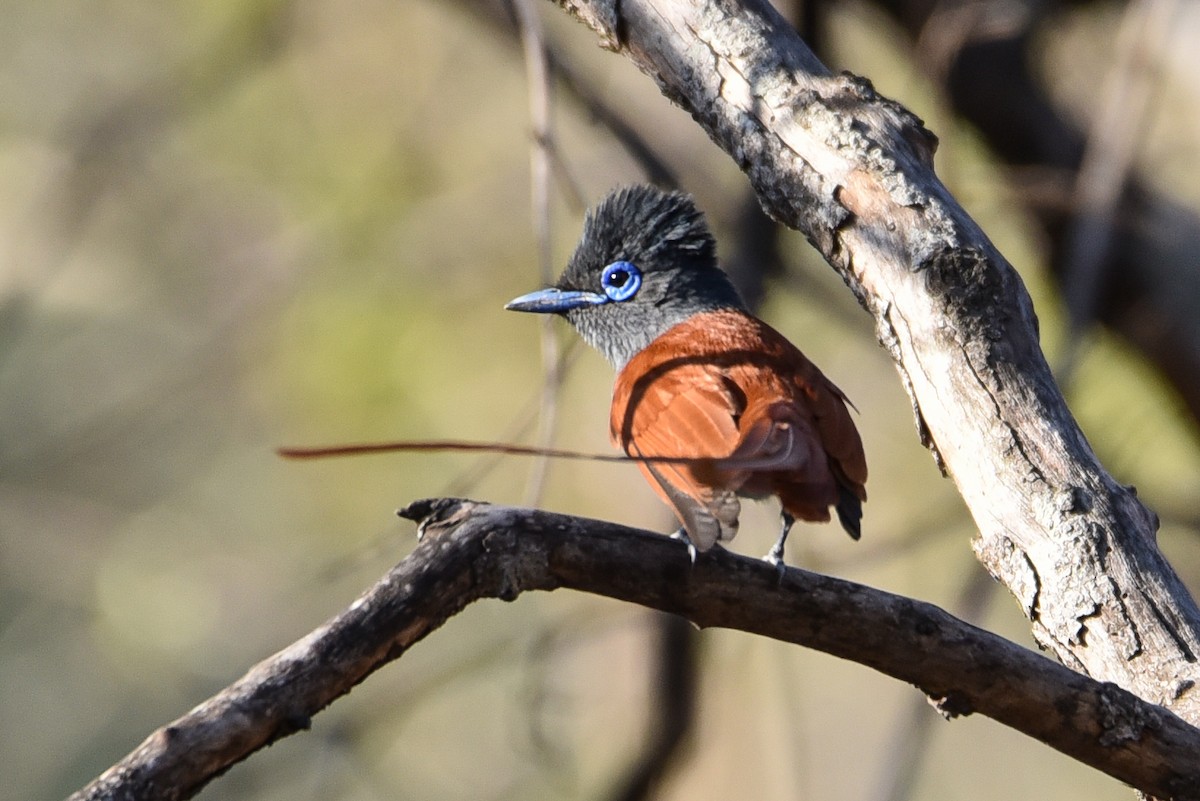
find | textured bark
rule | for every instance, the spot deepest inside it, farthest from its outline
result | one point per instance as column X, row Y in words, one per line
column 853, row 171
column 475, row 551
column 1148, row 287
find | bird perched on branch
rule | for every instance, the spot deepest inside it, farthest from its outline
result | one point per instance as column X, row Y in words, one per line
column 714, row 402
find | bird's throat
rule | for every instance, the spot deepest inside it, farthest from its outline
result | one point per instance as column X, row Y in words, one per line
column 621, row 332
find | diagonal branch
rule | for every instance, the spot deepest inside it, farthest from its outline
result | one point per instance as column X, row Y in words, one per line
column 854, row 172
column 830, row 157
column 1151, row 289
column 474, row 551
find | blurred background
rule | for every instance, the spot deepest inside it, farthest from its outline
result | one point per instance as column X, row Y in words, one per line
column 227, row 227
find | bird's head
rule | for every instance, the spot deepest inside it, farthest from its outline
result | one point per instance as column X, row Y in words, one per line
column 646, row 262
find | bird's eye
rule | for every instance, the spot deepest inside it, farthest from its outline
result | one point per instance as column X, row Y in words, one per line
column 621, row 280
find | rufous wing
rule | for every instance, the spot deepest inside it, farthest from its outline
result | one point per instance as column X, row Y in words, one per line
column 838, row 441
column 839, row 435
column 685, row 412
column 758, row 417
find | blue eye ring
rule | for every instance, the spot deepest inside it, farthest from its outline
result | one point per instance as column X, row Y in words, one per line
column 621, row 280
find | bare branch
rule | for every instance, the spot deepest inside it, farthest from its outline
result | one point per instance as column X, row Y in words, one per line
column 475, row 551
column 987, row 71
column 909, row 740
column 653, row 164
column 537, row 76
column 853, row 171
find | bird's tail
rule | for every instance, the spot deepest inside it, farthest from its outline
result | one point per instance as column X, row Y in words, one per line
column 510, row 449
column 849, row 511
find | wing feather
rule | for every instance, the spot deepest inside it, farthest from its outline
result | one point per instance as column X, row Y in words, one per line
column 728, row 390
column 683, row 412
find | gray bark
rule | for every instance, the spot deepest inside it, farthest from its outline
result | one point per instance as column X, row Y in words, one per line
column 854, row 172
column 1146, row 286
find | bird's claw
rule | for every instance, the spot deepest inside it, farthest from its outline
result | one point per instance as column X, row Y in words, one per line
column 775, row 557
column 682, row 536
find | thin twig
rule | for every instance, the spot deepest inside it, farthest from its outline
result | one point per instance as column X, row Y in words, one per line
column 537, row 74
column 638, row 147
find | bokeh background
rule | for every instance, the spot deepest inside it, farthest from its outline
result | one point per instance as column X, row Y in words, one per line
column 226, row 227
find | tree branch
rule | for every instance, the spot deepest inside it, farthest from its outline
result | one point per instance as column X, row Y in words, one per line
column 473, row 551
column 1150, row 262
column 853, row 171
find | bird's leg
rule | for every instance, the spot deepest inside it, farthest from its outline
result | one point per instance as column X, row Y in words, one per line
column 775, row 555
column 683, row 537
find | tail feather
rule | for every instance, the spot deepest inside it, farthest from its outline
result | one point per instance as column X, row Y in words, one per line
column 849, row 511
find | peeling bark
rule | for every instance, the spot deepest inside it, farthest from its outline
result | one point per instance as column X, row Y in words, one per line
column 853, row 171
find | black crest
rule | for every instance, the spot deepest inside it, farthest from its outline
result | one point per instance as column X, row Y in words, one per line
column 650, row 227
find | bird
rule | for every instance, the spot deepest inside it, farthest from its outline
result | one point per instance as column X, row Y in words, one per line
column 713, row 403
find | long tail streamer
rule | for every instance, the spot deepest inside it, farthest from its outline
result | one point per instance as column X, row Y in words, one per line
column 361, row 449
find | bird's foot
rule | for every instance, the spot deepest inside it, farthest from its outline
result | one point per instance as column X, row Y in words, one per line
column 682, row 536
column 775, row 557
